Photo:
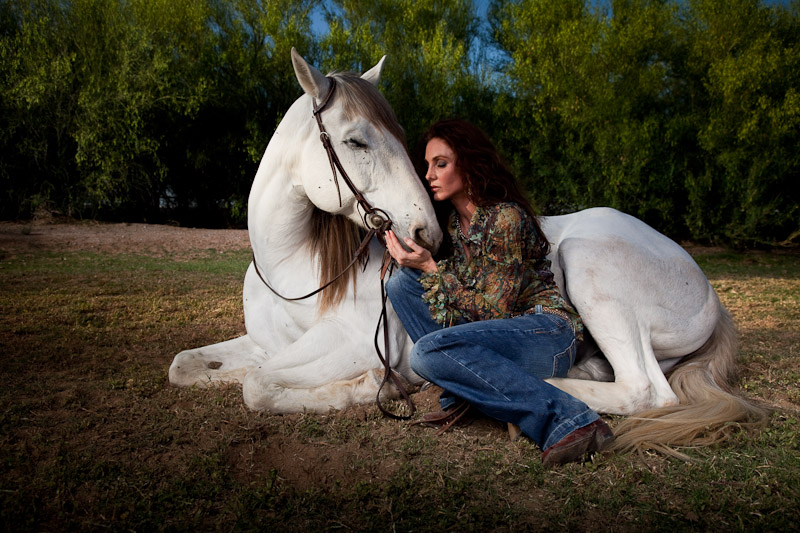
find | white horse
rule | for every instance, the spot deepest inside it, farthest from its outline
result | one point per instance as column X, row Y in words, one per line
column 645, row 302
column 316, row 354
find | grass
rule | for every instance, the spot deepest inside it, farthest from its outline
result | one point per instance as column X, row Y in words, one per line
column 93, row 437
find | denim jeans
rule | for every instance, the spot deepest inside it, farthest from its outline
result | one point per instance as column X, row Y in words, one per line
column 498, row 366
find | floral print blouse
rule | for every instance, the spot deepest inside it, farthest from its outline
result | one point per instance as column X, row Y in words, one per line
column 504, row 274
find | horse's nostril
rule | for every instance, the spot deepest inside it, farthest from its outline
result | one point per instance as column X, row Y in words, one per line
column 420, row 236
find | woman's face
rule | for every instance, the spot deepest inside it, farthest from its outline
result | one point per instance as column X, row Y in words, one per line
column 443, row 176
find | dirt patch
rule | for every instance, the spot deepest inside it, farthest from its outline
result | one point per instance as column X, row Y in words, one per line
column 320, row 450
column 98, row 237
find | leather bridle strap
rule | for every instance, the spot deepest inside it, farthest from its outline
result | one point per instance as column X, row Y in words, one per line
column 377, row 217
column 388, row 373
column 362, row 248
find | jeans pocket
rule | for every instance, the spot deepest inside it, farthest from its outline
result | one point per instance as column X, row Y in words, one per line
column 563, row 361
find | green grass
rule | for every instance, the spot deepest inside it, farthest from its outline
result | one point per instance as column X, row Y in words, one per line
column 93, row 436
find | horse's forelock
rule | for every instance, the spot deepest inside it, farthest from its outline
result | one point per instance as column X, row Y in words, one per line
column 360, row 98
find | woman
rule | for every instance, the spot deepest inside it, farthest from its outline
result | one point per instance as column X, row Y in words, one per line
column 488, row 321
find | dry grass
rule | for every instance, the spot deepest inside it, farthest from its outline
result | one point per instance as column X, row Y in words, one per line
column 95, row 438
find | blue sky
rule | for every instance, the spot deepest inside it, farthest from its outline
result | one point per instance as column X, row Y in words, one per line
column 320, row 27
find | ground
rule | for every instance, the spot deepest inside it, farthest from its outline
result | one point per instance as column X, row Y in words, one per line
column 94, row 436
column 304, row 466
column 117, row 238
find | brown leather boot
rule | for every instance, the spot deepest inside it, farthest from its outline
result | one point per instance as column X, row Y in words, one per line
column 591, row 438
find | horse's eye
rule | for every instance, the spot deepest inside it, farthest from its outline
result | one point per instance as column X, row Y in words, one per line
column 355, row 143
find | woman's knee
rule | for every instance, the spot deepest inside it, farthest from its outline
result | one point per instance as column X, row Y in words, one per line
column 429, row 357
column 399, row 282
column 417, row 360
column 422, row 359
column 392, row 285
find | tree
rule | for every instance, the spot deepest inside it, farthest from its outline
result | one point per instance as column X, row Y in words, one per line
column 85, row 81
column 683, row 114
column 36, row 110
column 252, row 84
column 748, row 59
column 430, row 45
column 595, row 101
column 120, row 108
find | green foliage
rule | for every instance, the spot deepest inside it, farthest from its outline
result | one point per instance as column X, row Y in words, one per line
column 36, row 107
column 101, row 76
column 122, row 107
column 683, row 113
column 253, row 85
column 749, row 59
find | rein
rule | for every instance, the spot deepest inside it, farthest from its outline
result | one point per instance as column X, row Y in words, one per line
column 378, row 222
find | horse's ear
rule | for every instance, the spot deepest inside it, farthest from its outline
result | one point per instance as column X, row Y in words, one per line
column 311, row 80
column 373, row 75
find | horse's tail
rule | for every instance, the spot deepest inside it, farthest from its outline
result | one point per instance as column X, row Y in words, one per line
column 709, row 410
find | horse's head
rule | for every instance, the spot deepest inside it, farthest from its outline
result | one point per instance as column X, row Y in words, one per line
column 368, row 142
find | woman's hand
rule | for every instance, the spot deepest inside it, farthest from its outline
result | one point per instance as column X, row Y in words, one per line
column 418, row 257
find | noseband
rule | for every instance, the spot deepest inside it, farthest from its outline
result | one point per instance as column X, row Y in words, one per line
column 378, row 222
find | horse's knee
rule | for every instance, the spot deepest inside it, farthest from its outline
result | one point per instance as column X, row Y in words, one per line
column 645, row 395
column 262, row 392
column 258, row 393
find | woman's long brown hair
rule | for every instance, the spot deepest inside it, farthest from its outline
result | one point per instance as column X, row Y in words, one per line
column 487, row 177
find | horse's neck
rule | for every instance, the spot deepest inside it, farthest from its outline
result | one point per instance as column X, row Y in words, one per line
column 279, row 212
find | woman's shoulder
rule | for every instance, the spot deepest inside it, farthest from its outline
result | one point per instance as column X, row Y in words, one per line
column 503, row 221
column 507, row 213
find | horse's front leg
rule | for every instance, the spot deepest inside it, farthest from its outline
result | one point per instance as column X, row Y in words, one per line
column 223, row 362
column 329, row 367
column 639, row 384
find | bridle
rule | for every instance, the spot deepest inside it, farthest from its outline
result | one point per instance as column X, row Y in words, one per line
column 378, row 222
column 374, row 217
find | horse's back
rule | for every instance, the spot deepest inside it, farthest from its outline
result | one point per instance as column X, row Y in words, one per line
column 611, row 266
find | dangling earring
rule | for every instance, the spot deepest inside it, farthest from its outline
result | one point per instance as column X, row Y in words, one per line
column 470, row 195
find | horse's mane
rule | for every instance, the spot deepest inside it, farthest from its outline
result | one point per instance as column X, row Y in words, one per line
column 334, row 238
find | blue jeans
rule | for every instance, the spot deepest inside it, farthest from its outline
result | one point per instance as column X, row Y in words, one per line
column 498, row 366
